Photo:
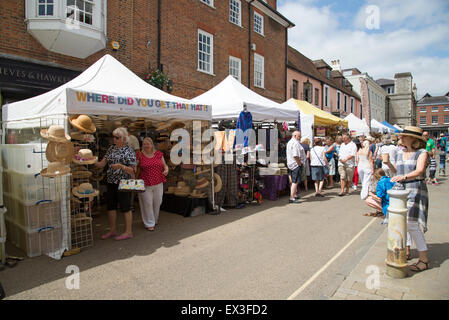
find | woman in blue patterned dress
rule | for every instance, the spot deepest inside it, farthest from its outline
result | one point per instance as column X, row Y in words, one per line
column 410, row 170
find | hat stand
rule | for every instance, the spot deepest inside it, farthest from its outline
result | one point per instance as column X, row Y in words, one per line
column 81, row 208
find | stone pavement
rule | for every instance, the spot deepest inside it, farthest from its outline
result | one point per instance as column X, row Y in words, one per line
column 369, row 281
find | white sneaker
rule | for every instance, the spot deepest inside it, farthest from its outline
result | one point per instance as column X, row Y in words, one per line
column 354, row 187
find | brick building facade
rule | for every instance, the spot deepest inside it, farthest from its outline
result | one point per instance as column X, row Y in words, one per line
column 433, row 114
column 239, row 30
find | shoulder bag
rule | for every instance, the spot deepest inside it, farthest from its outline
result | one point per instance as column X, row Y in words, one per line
column 325, row 168
column 131, row 185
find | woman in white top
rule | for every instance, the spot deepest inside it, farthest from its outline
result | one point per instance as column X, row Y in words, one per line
column 365, row 167
column 317, row 163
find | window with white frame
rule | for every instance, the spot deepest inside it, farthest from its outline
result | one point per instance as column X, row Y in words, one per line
column 258, row 71
column 422, row 120
column 45, row 7
column 422, row 109
column 338, row 100
column 235, row 68
column 446, row 108
column 235, row 12
column 352, row 105
column 326, row 96
column 258, row 23
column 208, row 2
column 205, row 52
column 446, row 119
column 434, row 119
column 346, row 103
column 80, row 10
column 434, row 109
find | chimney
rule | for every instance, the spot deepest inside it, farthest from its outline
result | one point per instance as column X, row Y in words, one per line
column 415, row 91
column 336, row 65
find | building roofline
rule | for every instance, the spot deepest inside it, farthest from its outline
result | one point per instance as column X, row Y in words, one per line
column 272, row 12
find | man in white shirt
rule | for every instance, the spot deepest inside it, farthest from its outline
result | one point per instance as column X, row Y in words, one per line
column 346, row 163
column 296, row 157
column 390, row 149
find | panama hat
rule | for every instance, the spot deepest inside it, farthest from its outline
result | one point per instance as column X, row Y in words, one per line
column 55, row 133
column 414, row 132
column 85, row 156
column 55, row 169
column 60, row 152
column 85, row 190
column 197, row 194
column 83, row 123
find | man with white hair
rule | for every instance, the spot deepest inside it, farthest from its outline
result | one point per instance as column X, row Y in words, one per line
column 296, row 158
column 346, row 163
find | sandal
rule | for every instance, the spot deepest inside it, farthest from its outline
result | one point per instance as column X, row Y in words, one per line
column 414, row 267
column 108, row 235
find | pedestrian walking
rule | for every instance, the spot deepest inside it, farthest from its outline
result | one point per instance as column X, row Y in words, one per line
column 296, row 158
column 330, row 153
column 318, row 164
column 409, row 169
column 432, row 169
column 346, row 162
column 365, row 168
column 305, row 172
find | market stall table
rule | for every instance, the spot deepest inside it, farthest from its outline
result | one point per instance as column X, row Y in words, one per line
column 184, row 205
column 273, row 186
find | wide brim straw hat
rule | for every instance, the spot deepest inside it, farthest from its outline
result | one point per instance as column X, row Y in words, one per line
column 60, row 152
column 80, row 136
column 88, row 161
column 202, row 183
column 414, row 132
column 81, row 174
column 81, row 187
column 55, row 169
column 55, row 133
column 218, row 183
column 170, row 190
column 182, row 194
column 197, row 194
column 163, row 126
column 83, row 159
column 83, row 123
column 176, row 125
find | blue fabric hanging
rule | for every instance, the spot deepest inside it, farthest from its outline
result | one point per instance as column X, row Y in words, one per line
column 244, row 122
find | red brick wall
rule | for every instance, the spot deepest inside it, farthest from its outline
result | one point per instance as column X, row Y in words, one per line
column 133, row 22
column 428, row 114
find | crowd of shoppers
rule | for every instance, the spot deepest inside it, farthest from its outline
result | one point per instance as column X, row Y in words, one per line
column 379, row 163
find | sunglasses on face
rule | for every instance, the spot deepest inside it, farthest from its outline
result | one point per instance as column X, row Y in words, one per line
column 115, row 137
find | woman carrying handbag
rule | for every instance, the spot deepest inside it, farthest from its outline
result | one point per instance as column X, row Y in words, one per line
column 318, row 166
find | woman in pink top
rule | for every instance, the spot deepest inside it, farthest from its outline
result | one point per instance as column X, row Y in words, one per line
column 153, row 170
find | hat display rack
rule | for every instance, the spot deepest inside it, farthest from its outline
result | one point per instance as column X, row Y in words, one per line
column 82, row 191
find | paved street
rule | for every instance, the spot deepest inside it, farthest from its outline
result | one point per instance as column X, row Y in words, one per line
column 259, row 252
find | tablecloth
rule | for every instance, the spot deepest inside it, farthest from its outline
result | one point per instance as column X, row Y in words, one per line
column 273, row 185
column 184, row 205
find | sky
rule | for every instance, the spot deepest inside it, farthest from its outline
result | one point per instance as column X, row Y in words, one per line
column 380, row 37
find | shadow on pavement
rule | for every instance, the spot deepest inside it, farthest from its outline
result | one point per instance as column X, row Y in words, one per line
column 437, row 254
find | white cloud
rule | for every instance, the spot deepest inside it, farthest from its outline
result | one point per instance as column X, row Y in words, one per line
column 409, row 30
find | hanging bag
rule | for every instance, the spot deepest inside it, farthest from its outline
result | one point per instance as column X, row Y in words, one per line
column 129, row 185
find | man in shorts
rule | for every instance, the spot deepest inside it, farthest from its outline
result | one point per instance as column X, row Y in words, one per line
column 296, row 157
column 346, row 163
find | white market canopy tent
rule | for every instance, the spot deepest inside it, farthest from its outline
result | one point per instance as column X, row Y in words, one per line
column 377, row 126
column 230, row 97
column 105, row 88
column 358, row 125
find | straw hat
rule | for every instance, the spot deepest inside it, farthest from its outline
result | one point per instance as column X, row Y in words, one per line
column 176, row 125
column 197, row 194
column 165, row 145
column 414, row 132
column 163, row 126
column 201, row 171
column 81, row 174
column 55, row 133
column 85, row 190
column 85, row 156
column 202, row 183
column 219, row 184
column 55, row 169
column 170, row 190
column 60, row 152
column 82, row 136
column 182, row 190
column 83, row 123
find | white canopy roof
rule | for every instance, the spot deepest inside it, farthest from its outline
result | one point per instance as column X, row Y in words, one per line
column 229, row 97
column 106, row 88
column 377, row 126
column 357, row 125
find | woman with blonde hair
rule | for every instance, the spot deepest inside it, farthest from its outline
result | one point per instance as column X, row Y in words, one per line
column 121, row 160
column 153, row 171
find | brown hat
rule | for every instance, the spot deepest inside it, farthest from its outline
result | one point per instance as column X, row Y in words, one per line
column 55, row 169
column 55, row 133
column 83, row 123
column 60, row 152
column 197, row 194
column 414, row 132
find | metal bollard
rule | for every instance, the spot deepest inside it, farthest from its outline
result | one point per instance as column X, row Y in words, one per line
column 397, row 232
